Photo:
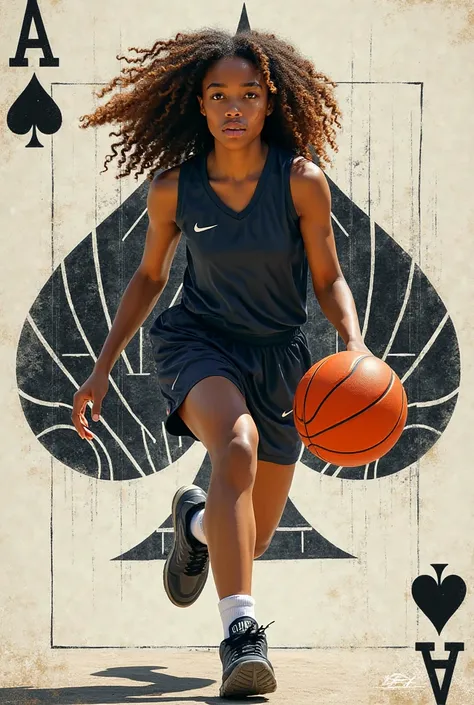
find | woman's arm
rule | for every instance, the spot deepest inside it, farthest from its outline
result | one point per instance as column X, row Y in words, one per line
column 139, row 298
column 312, row 199
column 151, row 276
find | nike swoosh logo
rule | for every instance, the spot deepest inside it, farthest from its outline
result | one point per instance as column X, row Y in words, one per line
column 287, row 413
column 197, row 229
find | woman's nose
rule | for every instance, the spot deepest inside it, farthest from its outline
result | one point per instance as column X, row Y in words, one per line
column 233, row 111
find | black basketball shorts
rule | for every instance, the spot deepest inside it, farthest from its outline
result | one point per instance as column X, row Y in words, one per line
column 267, row 375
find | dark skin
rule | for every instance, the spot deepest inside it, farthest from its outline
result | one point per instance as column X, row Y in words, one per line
column 246, row 496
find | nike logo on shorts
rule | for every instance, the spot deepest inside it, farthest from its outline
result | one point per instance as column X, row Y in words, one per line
column 197, row 229
column 287, row 413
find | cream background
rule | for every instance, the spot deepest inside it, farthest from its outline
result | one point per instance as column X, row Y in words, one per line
column 365, row 41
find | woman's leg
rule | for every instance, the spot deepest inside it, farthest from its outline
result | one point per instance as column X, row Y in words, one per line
column 216, row 412
column 270, row 493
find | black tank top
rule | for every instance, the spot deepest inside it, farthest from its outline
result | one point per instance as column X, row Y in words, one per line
column 246, row 272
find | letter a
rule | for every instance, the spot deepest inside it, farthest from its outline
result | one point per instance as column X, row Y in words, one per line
column 447, row 665
column 33, row 14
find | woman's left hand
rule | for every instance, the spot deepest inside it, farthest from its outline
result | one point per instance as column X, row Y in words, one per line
column 358, row 346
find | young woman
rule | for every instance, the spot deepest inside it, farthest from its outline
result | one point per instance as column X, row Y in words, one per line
column 230, row 121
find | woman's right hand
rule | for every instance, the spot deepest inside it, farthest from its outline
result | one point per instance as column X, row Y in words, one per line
column 94, row 389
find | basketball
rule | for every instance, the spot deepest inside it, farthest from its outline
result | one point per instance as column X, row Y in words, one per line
column 350, row 409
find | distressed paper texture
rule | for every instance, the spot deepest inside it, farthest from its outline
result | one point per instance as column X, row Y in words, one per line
column 405, row 74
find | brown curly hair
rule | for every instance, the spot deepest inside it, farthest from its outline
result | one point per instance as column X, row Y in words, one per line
column 160, row 121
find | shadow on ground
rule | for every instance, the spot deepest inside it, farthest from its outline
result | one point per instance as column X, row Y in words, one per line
column 159, row 688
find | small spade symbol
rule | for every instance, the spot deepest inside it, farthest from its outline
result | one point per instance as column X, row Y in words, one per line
column 439, row 600
column 34, row 108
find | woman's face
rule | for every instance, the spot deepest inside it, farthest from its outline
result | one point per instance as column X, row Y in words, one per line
column 235, row 102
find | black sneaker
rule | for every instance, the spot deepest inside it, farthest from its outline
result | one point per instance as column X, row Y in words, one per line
column 246, row 668
column 187, row 566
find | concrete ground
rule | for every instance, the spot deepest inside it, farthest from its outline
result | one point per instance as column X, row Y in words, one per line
column 305, row 677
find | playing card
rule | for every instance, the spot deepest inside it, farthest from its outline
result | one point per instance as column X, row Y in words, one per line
column 87, row 526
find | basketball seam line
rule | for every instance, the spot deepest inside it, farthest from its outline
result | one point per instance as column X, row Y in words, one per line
column 361, row 411
column 322, row 362
column 364, row 450
column 331, row 390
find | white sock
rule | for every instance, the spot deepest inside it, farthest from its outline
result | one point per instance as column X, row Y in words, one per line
column 233, row 607
column 196, row 526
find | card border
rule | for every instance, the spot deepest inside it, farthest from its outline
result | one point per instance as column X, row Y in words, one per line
column 416, row 464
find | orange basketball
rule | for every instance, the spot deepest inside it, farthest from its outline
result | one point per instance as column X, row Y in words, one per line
column 350, row 409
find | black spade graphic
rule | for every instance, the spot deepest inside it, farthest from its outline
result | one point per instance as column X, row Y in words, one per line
column 294, row 538
column 70, row 319
column 439, row 600
column 34, row 109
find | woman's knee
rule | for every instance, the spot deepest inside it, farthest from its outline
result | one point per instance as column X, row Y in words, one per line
column 216, row 411
column 234, row 457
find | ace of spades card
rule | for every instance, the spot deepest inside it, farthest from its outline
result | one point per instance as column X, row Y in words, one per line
column 88, row 524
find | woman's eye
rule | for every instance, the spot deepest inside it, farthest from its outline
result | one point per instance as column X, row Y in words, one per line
column 249, row 94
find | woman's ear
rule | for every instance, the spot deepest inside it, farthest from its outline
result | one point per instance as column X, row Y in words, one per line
column 270, row 106
column 201, row 105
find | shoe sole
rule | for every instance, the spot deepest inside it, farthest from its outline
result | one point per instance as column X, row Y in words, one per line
column 249, row 678
column 176, row 499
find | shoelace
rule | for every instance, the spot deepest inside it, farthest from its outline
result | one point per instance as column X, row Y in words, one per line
column 197, row 560
column 249, row 641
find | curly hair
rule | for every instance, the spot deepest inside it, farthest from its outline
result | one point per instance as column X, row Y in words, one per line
column 160, row 121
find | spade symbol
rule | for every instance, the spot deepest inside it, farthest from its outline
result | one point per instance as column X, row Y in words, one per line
column 439, row 600
column 68, row 323
column 34, row 108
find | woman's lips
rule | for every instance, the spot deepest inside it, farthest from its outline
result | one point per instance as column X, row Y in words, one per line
column 235, row 131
